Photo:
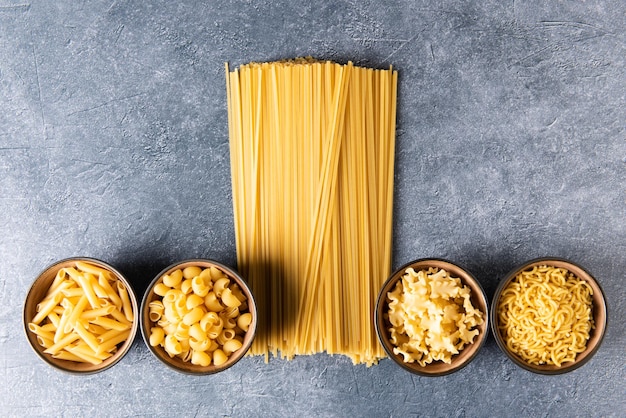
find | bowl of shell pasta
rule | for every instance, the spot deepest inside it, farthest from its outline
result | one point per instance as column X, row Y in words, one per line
column 198, row 317
column 549, row 316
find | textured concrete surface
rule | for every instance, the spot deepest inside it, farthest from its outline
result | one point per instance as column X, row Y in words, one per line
column 113, row 144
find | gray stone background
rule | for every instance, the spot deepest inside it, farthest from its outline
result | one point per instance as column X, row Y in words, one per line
column 510, row 145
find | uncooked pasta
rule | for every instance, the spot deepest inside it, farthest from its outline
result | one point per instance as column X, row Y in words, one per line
column 312, row 159
column 431, row 315
column 545, row 315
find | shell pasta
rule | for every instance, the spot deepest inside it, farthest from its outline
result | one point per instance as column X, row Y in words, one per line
column 196, row 314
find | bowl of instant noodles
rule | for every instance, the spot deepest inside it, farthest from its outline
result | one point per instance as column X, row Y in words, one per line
column 431, row 317
column 549, row 316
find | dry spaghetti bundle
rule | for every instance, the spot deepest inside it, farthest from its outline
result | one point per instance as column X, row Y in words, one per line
column 312, row 158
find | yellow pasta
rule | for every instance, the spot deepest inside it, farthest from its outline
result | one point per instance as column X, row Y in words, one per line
column 312, row 159
column 111, row 294
column 192, row 325
column 200, row 345
column 196, row 331
column 160, row 289
column 111, row 334
column 93, row 269
column 66, row 355
column 110, row 323
column 75, row 314
column 191, row 272
column 244, row 321
column 126, row 305
column 199, row 287
column 156, row 310
column 219, row 357
column 431, row 315
column 88, row 328
column 220, row 285
column 186, row 287
column 84, row 356
column 172, row 345
column 231, row 346
column 111, row 343
column 212, row 303
column 62, row 343
column 157, row 336
column 45, row 309
column 545, row 315
column 41, row 332
column 193, row 316
column 95, row 313
column 229, row 299
column 200, row 358
column 193, row 301
column 173, row 280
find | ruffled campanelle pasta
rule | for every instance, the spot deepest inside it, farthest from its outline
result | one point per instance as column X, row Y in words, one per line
column 196, row 322
column 545, row 315
column 431, row 315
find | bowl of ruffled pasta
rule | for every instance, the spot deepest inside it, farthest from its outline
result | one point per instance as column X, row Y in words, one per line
column 431, row 317
column 549, row 316
column 198, row 317
column 80, row 315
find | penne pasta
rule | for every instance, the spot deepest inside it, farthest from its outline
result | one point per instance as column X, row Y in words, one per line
column 62, row 343
column 110, row 334
column 45, row 309
column 95, row 313
column 95, row 270
column 112, row 343
column 82, row 318
column 86, row 336
column 85, row 357
column 110, row 323
column 41, row 332
column 66, row 355
column 75, row 314
column 126, row 305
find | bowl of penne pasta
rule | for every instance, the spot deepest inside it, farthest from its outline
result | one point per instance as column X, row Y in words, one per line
column 198, row 317
column 431, row 317
column 79, row 315
column 549, row 316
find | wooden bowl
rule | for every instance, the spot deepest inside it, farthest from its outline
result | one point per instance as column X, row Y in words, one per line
column 38, row 291
column 599, row 315
column 175, row 362
column 467, row 354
